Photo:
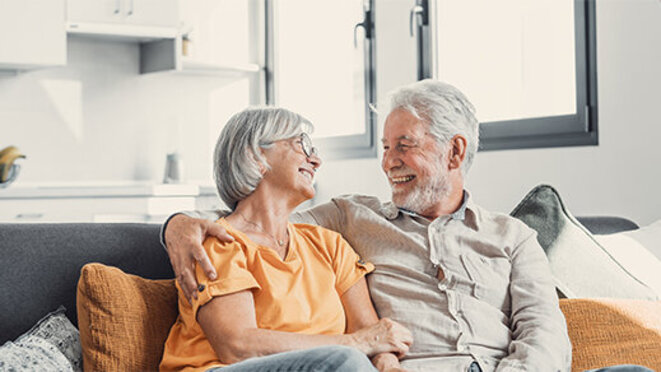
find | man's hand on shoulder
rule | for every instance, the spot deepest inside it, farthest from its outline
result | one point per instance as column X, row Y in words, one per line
column 184, row 236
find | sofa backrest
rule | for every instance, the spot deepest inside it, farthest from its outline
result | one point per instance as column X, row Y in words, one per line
column 41, row 265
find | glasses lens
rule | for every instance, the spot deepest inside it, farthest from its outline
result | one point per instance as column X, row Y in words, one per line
column 306, row 144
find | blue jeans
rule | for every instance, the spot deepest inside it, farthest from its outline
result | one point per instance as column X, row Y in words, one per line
column 622, row 368
column 319, row 359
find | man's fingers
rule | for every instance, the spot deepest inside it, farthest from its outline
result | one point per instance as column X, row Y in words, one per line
column 202, row 259
column 188, row 284
column 214, row 229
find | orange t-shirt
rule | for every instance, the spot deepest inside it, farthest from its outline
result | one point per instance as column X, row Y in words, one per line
column 299, row 294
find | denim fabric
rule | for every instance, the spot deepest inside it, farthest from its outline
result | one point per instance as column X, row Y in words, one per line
column 622, row 368
column 319, row 359
column 474, row 367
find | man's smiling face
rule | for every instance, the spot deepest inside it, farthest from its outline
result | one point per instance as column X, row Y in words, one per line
column 414, row 162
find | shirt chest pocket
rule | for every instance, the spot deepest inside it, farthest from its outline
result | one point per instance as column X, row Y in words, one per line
column 490, row 276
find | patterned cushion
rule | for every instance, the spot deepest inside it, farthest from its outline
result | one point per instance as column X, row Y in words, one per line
column 51, row 344
column 124, row 319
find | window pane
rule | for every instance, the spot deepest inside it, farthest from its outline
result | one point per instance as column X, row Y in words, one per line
column 318, row 71
column 515, row 59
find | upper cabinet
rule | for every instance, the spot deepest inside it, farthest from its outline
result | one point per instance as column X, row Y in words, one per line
column 32, row 34
column 140, row 19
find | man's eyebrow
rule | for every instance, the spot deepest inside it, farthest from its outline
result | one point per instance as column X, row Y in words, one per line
column 403, row 137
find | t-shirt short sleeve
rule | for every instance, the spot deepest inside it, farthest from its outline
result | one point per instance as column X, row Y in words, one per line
column 348, row 266
column 230, row 262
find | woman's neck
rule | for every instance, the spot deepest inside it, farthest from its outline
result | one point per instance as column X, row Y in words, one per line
column 264, row 219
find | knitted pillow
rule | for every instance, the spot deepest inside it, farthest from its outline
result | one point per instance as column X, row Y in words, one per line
column 606, row 332
column 124, row 319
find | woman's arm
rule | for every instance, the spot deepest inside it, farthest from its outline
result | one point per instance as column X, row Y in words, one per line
column 361, row 316
column 234, row 335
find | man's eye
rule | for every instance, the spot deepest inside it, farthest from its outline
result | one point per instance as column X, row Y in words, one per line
column 403, row 147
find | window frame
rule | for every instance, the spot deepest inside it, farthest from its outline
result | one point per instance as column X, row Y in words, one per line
column 339, row 147
column 579, row 129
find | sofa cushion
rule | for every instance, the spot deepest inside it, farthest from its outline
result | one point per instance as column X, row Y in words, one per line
column 52, row 343
column 634, row 257
column 42, row 262
column 124, row 319
column 605, row 332
column 32, row 353
column 56, row 328
column 649, row 237
column 581, row 267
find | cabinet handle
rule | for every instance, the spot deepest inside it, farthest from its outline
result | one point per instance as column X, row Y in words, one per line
column 117, row 6
column 130, row 12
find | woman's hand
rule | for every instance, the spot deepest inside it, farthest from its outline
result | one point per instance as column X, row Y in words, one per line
column 386, row 336
column 184, row 237
column 387, row 362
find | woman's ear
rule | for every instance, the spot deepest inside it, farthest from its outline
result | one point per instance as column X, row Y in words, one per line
column 457, row 151
column 262, row 168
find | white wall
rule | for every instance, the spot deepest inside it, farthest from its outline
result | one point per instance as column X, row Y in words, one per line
column 621, row 176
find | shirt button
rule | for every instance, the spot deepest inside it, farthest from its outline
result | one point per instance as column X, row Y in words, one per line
column 442, row 286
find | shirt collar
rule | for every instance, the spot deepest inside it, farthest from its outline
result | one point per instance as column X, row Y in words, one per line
column 391, row 211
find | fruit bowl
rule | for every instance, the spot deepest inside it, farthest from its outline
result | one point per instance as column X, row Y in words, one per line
column 13, row 174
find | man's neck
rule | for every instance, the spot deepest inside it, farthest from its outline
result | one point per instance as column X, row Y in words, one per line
column 449, row 203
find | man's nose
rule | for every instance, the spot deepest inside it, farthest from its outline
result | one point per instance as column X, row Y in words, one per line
column 391, row 160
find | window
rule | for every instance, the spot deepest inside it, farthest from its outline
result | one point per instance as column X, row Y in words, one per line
column 529, row 67
column 320, row 63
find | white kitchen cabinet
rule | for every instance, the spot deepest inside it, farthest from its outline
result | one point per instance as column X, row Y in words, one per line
column 32, row 34
column 129, row 202
column 141, row 19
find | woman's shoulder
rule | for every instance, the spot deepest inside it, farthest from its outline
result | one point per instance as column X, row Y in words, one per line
column 240, row 243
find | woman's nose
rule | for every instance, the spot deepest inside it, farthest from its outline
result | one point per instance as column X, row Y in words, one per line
column 315, row 160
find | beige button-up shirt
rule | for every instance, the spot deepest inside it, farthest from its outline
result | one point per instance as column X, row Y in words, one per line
column 471, row 286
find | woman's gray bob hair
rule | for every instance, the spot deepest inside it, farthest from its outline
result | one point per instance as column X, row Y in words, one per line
column 237, row 156
column 445, row 108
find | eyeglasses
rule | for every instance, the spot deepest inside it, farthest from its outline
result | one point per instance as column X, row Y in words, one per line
column 306, row 145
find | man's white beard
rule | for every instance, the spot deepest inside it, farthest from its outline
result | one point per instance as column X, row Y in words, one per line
column 424, row 197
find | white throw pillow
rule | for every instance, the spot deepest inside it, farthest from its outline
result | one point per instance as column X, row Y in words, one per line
column 638, row 259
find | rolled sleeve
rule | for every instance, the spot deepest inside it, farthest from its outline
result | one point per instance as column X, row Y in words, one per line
column 229, row 259
column 539, row 331
column 348, row 266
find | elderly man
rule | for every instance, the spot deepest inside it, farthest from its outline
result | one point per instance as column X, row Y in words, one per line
column 473, row 286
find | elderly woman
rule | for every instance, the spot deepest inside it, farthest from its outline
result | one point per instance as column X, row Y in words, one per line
column 287, row 296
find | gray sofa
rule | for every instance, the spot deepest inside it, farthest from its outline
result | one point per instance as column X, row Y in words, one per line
column 41, row 263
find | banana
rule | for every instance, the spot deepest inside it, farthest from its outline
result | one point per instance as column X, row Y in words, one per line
column 7, row 158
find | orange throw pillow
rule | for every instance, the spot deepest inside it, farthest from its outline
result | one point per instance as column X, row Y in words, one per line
column 123, row 319
column 605, row 332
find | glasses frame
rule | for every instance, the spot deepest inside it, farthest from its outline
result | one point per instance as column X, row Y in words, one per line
column 306, row 145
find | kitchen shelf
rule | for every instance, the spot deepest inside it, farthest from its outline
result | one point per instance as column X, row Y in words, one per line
column 191, row 66
column 121, row 32
column 164, row 55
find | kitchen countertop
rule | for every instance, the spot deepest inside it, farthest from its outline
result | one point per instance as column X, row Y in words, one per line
column 103, row 189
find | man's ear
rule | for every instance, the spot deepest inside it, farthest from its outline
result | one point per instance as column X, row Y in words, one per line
column 457, row 151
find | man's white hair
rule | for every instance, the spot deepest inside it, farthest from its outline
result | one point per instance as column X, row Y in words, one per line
column 445, row 108
column 237, row 156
